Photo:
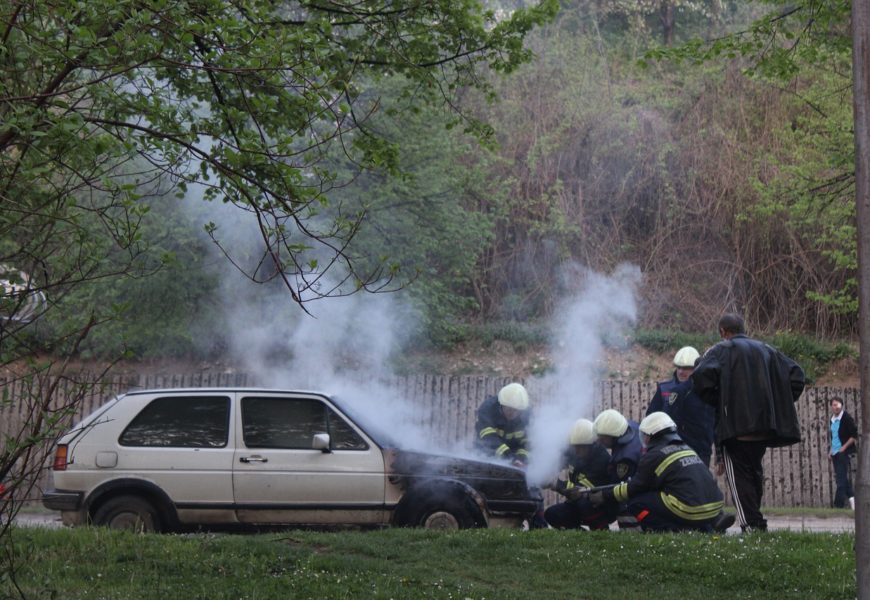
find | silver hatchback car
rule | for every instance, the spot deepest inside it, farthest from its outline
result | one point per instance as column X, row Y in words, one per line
column 169, row 460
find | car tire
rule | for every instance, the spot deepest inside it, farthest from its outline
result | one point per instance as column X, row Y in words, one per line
column 130, row 513
column 449, row 513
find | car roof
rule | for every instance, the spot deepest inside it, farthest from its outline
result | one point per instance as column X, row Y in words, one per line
column 224, row 390
column 361, row 420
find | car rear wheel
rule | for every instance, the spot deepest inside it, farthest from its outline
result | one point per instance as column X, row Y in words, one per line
column 130, row 513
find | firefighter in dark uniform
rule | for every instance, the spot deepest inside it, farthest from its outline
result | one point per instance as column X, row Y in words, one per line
column 622, row 437
column 502, row 422
column 587, row 466
column 672, row 490
column 695, row 419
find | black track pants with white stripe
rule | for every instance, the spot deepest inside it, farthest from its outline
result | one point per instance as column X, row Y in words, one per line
column 745, row 477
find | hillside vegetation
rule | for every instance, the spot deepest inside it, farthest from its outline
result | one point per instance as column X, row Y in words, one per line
column 727, row 187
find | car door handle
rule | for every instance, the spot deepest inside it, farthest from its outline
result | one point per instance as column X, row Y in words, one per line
column 255, row 458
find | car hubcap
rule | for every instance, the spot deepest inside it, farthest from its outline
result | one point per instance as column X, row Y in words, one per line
column 130, row 521
column 441, row 520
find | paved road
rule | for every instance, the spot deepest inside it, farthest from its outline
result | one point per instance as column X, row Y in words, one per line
column 39, row 519
column 793, row 523
column 805, row 523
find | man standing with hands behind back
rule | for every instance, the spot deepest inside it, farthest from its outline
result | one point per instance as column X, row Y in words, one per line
column 753, row 387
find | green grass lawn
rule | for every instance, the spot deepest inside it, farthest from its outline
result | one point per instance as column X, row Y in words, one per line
column 399, row 563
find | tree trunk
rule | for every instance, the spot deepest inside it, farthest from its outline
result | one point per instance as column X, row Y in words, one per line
column 666, row 14
column 861, row 98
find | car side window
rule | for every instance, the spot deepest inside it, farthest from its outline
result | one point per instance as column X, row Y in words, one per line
column 290, row 423
column 282, row 422
column 180, row 422
column 342, row 436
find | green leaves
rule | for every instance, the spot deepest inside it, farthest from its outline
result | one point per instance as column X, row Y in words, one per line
column 249, row 99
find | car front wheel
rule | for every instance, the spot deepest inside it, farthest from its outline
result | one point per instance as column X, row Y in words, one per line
column 130, row 513
column 447, row 513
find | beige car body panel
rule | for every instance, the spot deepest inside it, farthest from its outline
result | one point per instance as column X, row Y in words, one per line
column 300, row 478
column 187, row 475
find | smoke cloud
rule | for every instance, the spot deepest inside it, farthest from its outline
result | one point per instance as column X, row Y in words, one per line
column 600, row 309
column 344, row 347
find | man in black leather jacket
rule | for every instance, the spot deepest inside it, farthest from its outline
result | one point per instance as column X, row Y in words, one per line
column 754, row 388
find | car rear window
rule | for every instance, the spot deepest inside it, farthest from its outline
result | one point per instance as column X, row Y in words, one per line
column 180, row 422
column 291, row 423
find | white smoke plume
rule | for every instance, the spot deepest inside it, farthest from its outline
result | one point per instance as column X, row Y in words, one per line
column 344, row 347
column 599, row 310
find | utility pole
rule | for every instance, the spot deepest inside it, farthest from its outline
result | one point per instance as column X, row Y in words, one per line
column 861, row 99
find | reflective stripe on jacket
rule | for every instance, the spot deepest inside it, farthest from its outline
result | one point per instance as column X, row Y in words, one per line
column 499, row 436
column 683, row 481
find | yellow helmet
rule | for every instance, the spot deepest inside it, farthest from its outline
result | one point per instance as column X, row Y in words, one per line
column 656, row 422
column 514, row 395
column 610, row 422
column 686, row 357
column 582, row 433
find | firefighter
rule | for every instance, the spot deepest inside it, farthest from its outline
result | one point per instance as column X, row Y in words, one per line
column 501, row 425
column 672, row 490
column 621, row 437
column 695, row 419
column 587, row 466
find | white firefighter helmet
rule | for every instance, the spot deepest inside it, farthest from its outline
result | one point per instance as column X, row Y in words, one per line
column 514, row 395
column 686, row 357
column 582, row 433
column 657, row 422
column 610, row 422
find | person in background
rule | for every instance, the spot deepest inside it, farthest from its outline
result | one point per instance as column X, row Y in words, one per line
column 672, row 490
column 502, row 423
column 754, row 388
column 587, row 466
column 844, row 438
column 695, row 419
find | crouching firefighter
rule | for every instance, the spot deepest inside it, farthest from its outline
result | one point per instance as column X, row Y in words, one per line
column 622, row 437
column 672, row 490
column 587, row 466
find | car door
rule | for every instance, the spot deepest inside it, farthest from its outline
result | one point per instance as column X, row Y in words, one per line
column 278, row 477
column 180, row 442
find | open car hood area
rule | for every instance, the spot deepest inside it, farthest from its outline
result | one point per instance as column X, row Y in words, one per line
column 408, row 468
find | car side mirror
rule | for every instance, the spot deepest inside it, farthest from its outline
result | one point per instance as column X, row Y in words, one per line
column 320, row 441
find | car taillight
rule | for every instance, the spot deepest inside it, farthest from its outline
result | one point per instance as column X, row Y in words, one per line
column 60, row 458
